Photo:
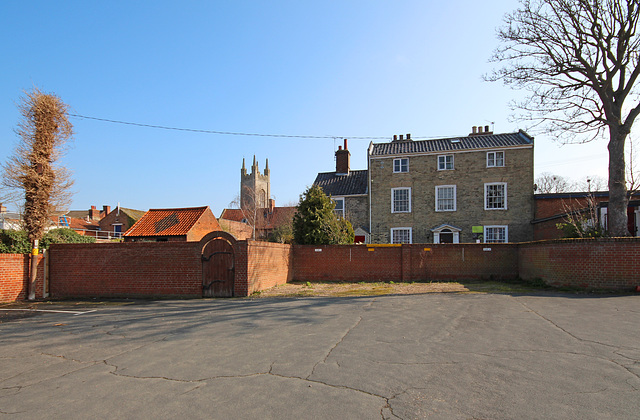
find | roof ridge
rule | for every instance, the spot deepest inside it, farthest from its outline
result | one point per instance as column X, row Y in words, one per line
column 181, row 208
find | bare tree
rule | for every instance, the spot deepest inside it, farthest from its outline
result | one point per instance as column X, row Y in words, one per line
column 31, row 172
column 550, row 183
column 252, row 211
column 581, row 219
column 591, row 183
column 579, row 62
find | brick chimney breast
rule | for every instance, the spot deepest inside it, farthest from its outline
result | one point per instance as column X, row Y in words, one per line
column 343, row 157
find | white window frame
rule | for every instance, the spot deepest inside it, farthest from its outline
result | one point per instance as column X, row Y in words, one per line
column 486, row 234
column 393, row 207
column 339, row 212
column 444, row 167
column 400, row 168
column 486, row 196
column 442, row 187
column 408, row 229
column 494, row 155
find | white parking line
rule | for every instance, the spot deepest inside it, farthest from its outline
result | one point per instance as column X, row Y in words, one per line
column 51, row 310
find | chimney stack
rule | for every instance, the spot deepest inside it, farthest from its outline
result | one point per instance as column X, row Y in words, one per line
column 94, row 214
column 343, row 156
column 479, row 130
column 106, row 210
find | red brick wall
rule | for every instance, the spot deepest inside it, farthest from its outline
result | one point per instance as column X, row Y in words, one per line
column 553, row 206
column 346, row 263
column 14, row 277
column 125, row 269
column 267, row 265
column 417, row 262
column 464, row 261
column 140, row 269
column 604, row 263
column 205, row 224
column 14, row 274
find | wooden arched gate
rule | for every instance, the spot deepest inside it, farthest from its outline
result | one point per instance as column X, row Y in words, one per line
column 218, row 265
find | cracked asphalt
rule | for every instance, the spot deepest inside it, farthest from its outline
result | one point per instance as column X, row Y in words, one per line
column 450, row 356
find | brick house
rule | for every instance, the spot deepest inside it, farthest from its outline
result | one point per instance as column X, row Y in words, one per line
column 119, row 221
column 553, row 208
column 349, row 191
column 461, row 189
column 173, row 225
column 105, row 224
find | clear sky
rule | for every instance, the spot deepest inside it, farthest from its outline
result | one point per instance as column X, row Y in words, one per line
column 341, row 69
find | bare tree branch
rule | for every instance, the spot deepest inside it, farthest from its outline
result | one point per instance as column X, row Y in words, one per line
column 579, row 62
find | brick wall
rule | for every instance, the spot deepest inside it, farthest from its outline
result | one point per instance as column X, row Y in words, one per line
column 14, row 277
column 205, row 224
column 140, row 269
column 346, row 263
column 265, row 265
column 133, row 269
column 464, row 261
column 604, row 264
column 417, row 262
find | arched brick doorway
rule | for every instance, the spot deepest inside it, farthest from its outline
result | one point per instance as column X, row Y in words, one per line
column 218, row 264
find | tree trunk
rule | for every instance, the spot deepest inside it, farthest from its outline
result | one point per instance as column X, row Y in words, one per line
column 618, row 200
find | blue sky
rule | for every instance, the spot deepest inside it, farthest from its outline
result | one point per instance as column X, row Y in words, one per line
column 333, row 68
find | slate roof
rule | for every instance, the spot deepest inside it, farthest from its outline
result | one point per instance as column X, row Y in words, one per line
column 488, row 141
column 354, row 183
column 167, row 222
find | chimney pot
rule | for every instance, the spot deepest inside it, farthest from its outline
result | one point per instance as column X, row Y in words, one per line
column 395, row 137
column 408, row 136
column 345, row 144
column 401, row 137
column 339, row 147
column 486, row 128
column 474, row 129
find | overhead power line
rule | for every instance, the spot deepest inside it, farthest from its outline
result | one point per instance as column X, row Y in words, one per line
column 228, row 133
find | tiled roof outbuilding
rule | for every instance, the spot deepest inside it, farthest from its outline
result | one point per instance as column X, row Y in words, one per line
column 171, row 222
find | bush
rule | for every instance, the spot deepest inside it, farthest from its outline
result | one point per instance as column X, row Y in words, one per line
column 17, row 242
column 64, row 236
column 14, row 242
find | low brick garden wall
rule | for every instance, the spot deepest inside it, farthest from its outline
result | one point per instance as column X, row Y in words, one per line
column 140, row 269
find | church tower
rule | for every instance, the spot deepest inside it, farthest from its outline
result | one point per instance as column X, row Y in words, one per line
column 255, row 187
